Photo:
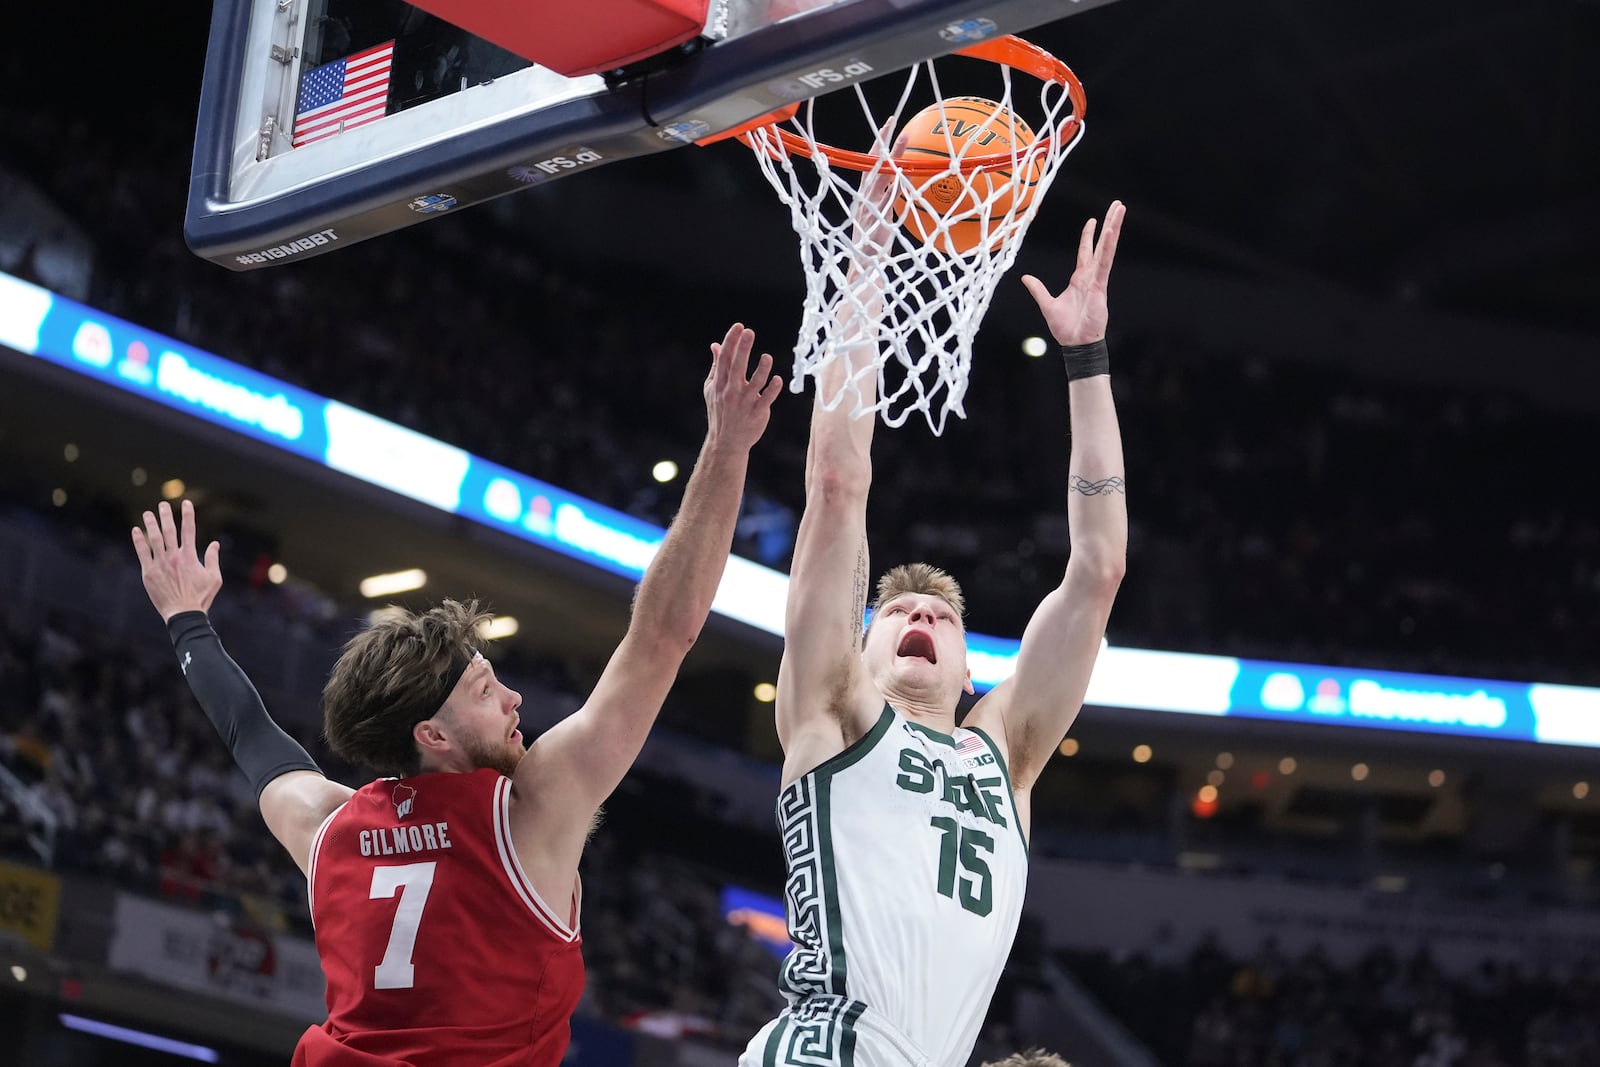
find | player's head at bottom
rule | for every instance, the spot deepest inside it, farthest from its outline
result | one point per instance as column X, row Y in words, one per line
column 1036, row 1057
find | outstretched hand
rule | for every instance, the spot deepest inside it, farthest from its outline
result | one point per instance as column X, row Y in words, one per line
column 1077, row 316
column 174, row 575
column 737, row 407
column 874, row 216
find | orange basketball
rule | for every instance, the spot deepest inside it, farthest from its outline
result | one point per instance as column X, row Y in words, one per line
column 967, row 127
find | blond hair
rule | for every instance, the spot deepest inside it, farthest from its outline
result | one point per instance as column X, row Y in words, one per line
column 920, row 578
column 1034, row 1057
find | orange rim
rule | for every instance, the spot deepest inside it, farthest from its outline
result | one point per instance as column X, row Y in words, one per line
column 771, row 118
column 1007, row 51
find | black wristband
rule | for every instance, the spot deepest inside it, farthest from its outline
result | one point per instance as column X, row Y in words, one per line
column 1086, row 361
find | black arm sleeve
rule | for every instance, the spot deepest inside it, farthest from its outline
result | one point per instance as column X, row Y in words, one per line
column 230, row 701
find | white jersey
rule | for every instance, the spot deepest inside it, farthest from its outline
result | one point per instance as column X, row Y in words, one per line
column 906, row 873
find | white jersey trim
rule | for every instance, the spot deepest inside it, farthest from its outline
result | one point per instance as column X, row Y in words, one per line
column 513, row 866
column 311, row 863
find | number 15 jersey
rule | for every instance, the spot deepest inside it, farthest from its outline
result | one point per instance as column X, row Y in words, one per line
column 436, row 948
column 907, row 868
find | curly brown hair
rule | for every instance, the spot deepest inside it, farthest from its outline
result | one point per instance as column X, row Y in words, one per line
column 391, row 676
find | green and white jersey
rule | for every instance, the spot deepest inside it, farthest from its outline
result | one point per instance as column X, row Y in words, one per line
column 906, row 873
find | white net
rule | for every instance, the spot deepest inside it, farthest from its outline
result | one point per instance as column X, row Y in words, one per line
column 940, row 241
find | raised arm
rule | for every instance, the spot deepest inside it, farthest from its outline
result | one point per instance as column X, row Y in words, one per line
column 1036, row 705
column 569, row 772
column 823, row 692
column 293, row 795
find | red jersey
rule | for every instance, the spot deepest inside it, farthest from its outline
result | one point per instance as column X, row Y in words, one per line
column 436, row 949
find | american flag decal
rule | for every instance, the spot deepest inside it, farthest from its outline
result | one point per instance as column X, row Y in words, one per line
column 970, row 745
column 342, row 95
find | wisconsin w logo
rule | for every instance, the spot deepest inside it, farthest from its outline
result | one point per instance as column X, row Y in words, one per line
column 405, row 798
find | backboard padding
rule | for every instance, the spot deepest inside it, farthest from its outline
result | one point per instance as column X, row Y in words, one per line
column 254, row 201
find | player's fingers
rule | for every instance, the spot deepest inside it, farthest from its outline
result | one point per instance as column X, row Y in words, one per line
column 882, row 173
column 141, row 547
column 169, row 526
column 763, row 370
column 1108, row 241
column 727, row 352
column 878, row 181
column 719, row 348
column 187, row 526
column 1036, row 288
column 214, row 559
column 874, row 190
column 741, row 356
column 882, row 140
column 152, row 533
column 1086, row 245
column 770, row 391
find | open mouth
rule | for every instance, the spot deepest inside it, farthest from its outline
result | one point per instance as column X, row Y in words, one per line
column 918, row 643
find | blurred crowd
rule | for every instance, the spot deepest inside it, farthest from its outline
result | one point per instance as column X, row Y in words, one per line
column 116, row 780
column 1271, row 1009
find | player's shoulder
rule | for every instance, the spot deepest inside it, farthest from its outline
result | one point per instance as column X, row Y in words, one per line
column 988, row 718
column 484, row 782
column 409, row 795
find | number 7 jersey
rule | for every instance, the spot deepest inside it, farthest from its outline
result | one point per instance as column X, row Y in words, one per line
column 437, row 950
column 906, row 873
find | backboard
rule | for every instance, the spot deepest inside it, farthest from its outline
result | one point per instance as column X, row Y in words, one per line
column 326, row 122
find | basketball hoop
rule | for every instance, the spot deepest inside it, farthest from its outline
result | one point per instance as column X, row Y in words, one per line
column 955, row 226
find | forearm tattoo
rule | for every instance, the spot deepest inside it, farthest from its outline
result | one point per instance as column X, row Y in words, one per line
column 858, row 603
column 1113, row 484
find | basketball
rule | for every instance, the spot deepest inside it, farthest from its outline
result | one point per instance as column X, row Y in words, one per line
column 967, row 127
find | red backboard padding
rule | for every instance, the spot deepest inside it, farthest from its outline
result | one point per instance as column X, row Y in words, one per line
column 575, row 37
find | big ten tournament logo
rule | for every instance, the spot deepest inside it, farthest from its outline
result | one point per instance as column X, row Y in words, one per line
column 432, row 204
column 969, row 31
column 684, row 131
column 242, row 959
column 810, row 83
column 973, row 752
column 564, row 162
column 405, row 801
